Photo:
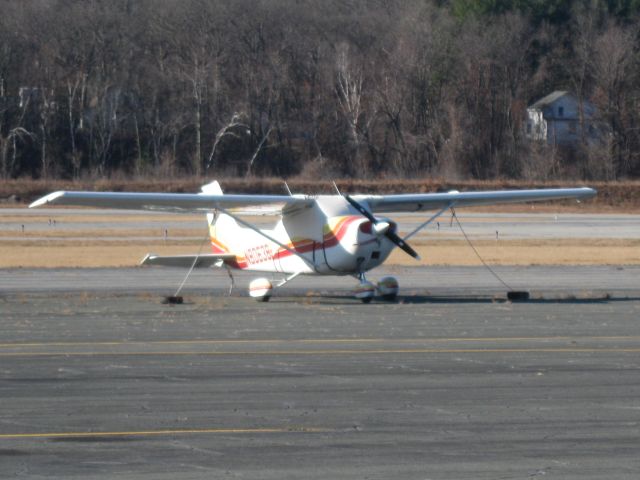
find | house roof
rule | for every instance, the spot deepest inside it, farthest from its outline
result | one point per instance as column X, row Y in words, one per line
column 549, row 99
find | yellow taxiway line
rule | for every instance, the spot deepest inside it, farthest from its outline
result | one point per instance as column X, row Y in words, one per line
column 145, row 433
column 334, row 346
column 407, row 351
column 316, row 341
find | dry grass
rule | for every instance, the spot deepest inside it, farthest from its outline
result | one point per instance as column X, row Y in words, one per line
column 60, row 253
column 97, row 217
column 526, row 252
column 94, row 254
column 174, row 233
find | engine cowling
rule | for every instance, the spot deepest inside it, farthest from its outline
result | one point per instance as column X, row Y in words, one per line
column 261, row 289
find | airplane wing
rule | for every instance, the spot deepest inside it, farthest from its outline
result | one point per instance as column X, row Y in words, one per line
column 185, row 261
column 178, row 202
column 278, row 204
column 436, row 201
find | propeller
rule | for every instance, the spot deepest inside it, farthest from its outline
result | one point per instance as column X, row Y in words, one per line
column 383, row 228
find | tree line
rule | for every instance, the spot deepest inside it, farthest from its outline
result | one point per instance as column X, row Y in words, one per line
column 336, row 88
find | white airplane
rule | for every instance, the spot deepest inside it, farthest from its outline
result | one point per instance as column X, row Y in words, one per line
column 315, row 235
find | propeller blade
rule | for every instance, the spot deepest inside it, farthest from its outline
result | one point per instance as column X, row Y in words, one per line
column 391, row 235
column 402, row 244
column 366, row 213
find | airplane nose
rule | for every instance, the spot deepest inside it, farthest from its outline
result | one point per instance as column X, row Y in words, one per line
column 381, row 228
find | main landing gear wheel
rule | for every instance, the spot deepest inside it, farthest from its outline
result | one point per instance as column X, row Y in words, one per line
column 260, row 289
column 365, row 291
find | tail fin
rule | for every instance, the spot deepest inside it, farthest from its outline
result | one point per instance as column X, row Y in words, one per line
column 212, row 188
column 223, row 231
column 222, row 228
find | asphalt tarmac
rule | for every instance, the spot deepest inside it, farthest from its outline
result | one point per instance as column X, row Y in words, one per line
column 99, row 379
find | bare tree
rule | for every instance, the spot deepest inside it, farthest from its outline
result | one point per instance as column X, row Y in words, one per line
column 351, row 101
column 614, row 57
column 10, row 142
column 228, row 129
column 349, row 91
column 194, row 30
column 68, row 44
column 257, row 151
column 348, row 87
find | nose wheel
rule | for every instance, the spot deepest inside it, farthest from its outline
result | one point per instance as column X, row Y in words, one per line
column 387, row 288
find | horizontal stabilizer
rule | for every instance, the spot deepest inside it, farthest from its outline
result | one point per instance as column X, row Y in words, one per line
column 186, row 261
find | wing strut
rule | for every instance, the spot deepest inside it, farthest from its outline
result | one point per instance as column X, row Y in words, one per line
column 421, row 226
column 288, row 279
column 268, row 237
column 491, row 270
column 193, row 265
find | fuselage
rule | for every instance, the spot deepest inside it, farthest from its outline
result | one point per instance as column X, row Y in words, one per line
column 331, row 235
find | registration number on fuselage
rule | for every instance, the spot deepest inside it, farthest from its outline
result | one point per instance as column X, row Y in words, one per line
column 259, row 254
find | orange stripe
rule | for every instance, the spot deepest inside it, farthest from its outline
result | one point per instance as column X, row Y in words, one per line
column 330, row 239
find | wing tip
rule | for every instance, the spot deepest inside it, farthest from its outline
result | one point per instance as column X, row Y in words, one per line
column 50, row 198
column 147, row 258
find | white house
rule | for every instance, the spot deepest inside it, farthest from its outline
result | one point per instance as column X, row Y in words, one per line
column 560, row 119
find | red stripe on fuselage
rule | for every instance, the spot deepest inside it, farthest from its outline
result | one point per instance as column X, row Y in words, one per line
column 237, row 262
column 330, row 239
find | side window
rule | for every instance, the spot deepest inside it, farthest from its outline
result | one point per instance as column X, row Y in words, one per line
column 560, row 111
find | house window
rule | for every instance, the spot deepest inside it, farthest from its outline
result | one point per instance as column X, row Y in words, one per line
column 560, row 111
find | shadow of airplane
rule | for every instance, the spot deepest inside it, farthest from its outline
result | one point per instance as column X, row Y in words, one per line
column 416, row 299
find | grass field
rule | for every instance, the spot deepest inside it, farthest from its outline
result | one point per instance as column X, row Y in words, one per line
column 61, row 253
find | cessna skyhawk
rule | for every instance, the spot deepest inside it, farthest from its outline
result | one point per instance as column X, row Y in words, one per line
column 315, row 235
